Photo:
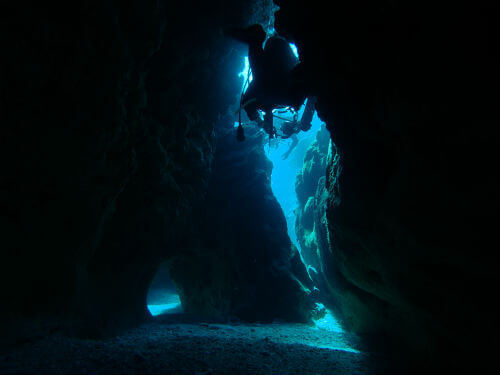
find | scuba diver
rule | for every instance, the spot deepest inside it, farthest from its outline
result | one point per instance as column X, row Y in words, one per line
column 290, row 128
column 272, row 68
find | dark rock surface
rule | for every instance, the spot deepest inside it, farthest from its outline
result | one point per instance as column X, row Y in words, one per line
column 239, row 248
column 192, row 348
column 108, row 114
column 409, row 92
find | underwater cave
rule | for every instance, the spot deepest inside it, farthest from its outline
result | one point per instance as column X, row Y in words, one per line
column 248, row 187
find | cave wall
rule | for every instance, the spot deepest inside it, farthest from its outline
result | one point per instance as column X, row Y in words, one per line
column 311, row 223
column 409, row 93
column 239, row 247
column 308, row 195
column 108, row 113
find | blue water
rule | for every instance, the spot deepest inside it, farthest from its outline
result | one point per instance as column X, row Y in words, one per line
column 168, row 303
column 283, row 178
column 285, row 171
column 283, row 186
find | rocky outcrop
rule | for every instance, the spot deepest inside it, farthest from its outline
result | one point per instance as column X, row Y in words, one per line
column 108, row 114
column 239, row 248
column 311, row 223
column 308, row 193
column 409, row 93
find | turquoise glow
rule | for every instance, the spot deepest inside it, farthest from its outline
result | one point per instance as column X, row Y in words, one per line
column 283, row 185
column 170, row 303
column 295, row 50
column 285, row 170
column 246, row 74
column 283, row 178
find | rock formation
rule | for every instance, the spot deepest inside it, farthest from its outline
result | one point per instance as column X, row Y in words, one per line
column 308, row 196
column 109, row 115
column 239, row 249
column 109, row 167
column 408, row 90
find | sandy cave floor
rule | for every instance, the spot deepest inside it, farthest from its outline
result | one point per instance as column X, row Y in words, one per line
column 170, row 345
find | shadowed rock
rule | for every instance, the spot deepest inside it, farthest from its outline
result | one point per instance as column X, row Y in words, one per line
column 409, row 93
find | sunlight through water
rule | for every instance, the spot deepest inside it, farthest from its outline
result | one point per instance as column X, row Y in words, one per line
column 169, row 304
column 287, row 163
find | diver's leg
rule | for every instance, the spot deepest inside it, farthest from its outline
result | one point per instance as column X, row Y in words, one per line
column 268, row 123
column 295, row 142
column 251, row 109
column 307, row 116
column 250, row 104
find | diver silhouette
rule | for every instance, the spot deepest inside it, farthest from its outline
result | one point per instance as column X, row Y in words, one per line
column 290, row 128
column 273, row 84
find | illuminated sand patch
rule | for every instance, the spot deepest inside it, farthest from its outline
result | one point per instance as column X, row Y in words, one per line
column 170, row 305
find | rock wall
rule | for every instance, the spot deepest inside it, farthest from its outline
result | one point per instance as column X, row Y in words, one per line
column 408, row 90
column 108, row 113
column 239, row 247
column 306, row 187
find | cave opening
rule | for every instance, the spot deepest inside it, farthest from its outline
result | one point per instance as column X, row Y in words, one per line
column 288, row 157
column 163, row 297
